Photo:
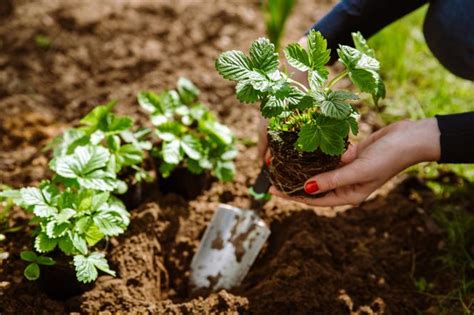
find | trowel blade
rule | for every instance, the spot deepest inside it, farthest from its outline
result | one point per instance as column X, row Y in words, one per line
column 228, row 249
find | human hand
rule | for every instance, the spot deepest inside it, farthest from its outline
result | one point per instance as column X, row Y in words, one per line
column 369, row 164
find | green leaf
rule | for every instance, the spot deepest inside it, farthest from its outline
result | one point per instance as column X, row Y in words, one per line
column 97, row 117
column 46, row 261
column 361, row 44
column 225, row 170
column 79, row 243
column 363, row 71
column 56, row 229
column 150, row 102
column 84, row 160
column 65, row 215
column 109, row 223
column 34, row 197
column 263, row 55
column 297, row 57
column 86, row 266
column 317, row 47
column 192, row 147
column 353, row 124
column 259, row 81
column 29, row 256
column 230, row 154
column 32, row 272
column 325, row 133
column 194, row 167
column 93, row 234
column 65, row 244
column 166, row 169
column 334, row 104
column 44, row 244
column 187, row 90
column 316, row 78
column 218, row 131
column 99, row 180
column 172, row 152
column 68, row 141
column 246, row 93
column 129, row 154
column 304, row 103
column 233, row 65
column 118, row 124
column 272, row 107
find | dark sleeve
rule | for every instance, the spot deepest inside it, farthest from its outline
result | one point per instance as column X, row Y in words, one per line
column 457, row 138
column 366, row 16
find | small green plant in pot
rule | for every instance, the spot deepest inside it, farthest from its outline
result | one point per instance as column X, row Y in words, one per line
column 71, row 221
column 191, row 144
column 103, row 133
column 308, row 126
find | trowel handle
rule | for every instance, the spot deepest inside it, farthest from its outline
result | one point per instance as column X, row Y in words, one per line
column 262, row 183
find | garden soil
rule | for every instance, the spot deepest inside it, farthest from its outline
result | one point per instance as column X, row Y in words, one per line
column 361, row 261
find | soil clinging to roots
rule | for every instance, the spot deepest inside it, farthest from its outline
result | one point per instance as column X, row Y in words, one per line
column 290, row 168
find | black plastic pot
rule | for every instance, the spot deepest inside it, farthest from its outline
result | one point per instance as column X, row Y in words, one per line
column 184, row 183
column 59, row 281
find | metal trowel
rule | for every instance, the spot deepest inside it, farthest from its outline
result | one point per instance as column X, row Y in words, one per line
column 230, row 244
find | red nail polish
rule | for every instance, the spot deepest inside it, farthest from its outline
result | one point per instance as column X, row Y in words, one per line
column 268, row 161
column 311, row 187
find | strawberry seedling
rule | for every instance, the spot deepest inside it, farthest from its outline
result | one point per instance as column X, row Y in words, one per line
column 71, row 221
column 189, row 135
column 97, row 153
column 308, row 126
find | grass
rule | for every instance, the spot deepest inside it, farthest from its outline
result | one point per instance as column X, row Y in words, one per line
column 417, row 84
column 457, row 254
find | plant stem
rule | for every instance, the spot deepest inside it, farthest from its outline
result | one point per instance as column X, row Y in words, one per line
column 337, row 78
column 304, row 88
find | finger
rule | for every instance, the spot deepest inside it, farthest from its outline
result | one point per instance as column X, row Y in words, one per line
column 268, row 158
column 349, row 195
column 374, row 137
column 262, row 139
column 350, row 154
column 274, row 191
column 350, row 174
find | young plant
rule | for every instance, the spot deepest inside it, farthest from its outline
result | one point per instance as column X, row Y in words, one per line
column 96, row 153
column 189, row 134
column 32, row 271
column 72, row 221
column 308, row 126
column 275, row 14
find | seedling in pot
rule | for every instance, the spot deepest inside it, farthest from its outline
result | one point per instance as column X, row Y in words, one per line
column 308, row 126
column 190, row 139
column 71, row 222
column 114, row 150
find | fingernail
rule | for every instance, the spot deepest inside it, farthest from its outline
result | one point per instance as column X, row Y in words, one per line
column 268, row 161
column 311, row 187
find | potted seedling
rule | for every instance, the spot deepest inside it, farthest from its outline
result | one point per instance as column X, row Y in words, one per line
column 308, row 126
column 71, row 222
column 103, row 133
column 192, row 145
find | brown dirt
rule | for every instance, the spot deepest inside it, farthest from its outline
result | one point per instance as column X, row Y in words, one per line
column 290, row 168
column 111, row 49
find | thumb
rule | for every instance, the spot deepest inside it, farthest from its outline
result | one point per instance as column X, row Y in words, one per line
column 346, row 175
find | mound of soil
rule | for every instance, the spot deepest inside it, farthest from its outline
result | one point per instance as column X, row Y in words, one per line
column 364, row 259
